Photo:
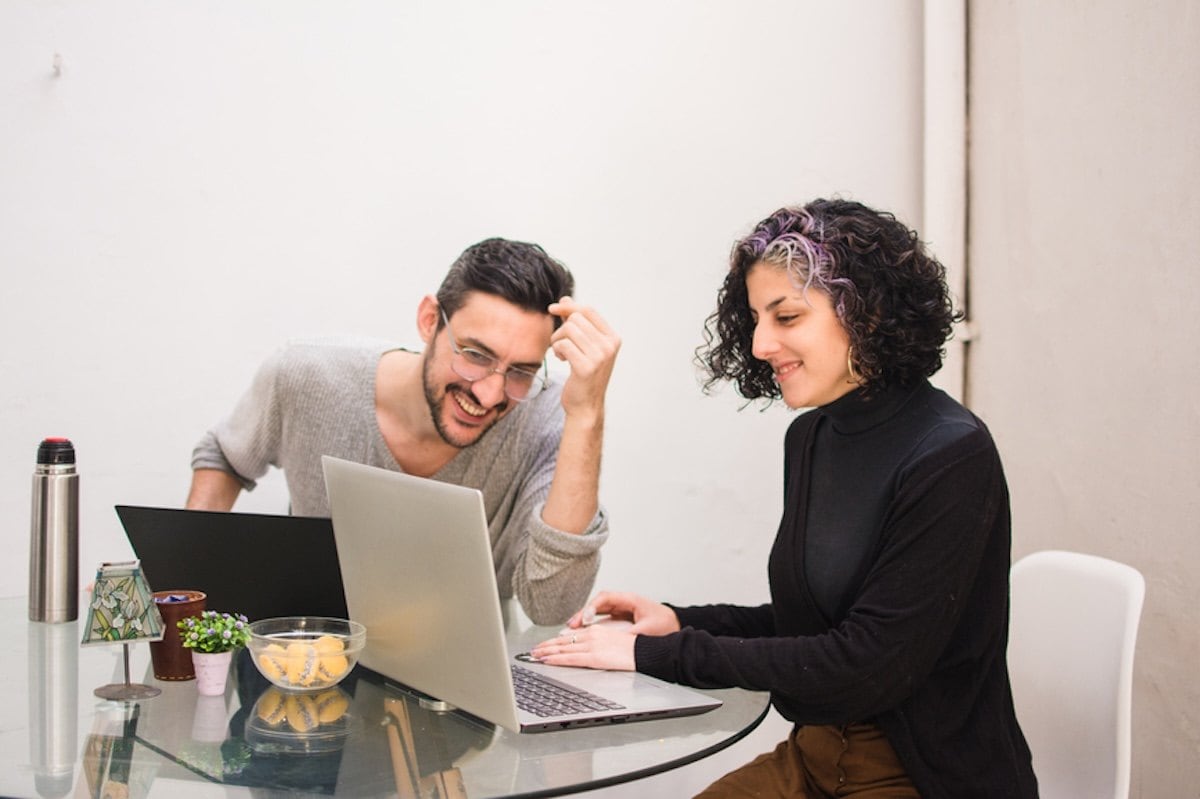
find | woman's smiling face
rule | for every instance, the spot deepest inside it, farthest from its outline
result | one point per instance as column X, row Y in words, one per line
column 797, row 332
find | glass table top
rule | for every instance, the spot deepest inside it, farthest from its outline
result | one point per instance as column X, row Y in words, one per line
column 373, row 738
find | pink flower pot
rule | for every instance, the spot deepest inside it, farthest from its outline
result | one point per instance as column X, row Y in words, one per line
column 212, row 670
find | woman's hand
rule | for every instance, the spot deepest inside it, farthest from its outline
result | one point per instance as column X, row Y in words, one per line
column 605, row 645
column 592, row 642
column 648, row 617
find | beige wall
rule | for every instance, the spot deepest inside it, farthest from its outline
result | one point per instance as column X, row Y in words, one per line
column 1084, row 248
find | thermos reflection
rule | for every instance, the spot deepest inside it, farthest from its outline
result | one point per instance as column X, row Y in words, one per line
column 53, row 706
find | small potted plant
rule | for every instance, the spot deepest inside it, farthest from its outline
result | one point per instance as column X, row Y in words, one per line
column 213, row 638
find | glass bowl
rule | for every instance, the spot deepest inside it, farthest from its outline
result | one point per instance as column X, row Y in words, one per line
column 305, row 653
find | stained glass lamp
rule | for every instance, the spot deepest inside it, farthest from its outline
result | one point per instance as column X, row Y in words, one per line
column 122, row 611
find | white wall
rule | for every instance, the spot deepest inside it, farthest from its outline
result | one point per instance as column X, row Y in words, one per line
column 1084, row 254
column 202, row 182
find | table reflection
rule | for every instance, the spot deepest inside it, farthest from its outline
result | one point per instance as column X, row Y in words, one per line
column 361, row 738
column 108, row 754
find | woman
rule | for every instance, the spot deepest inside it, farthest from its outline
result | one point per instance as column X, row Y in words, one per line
column 885, row 638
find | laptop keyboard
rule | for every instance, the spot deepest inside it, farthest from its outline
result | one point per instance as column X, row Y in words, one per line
column 544, row 696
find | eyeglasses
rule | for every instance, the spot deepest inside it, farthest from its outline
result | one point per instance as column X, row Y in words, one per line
column 470, row 364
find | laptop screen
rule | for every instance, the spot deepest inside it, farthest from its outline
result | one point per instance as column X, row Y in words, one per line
column 258, row 564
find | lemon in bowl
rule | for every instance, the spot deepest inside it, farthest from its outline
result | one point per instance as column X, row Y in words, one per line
column 305, row 653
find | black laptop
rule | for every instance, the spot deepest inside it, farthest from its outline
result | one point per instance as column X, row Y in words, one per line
column 258, row 564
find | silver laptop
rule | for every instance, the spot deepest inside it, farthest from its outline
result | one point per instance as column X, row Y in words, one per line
column 417, row 569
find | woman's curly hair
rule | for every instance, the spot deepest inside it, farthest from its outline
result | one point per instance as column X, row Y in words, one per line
column 889, row 293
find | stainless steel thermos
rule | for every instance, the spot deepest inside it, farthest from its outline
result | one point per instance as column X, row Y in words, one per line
column 54, row 534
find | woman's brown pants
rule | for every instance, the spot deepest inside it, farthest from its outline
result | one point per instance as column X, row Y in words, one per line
column 821, row 761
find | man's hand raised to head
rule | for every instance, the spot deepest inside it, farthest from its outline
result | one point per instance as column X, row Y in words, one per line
column 589, row 346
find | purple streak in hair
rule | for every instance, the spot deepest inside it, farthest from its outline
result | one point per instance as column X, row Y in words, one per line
column 789, row 238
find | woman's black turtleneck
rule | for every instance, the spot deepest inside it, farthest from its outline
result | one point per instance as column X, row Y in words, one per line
column 889, row 587
column 854, row 457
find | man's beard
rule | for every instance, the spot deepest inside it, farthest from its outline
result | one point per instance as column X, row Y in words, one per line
column 437, row 404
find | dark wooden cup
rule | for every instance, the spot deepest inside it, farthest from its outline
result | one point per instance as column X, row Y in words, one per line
column 170, row 660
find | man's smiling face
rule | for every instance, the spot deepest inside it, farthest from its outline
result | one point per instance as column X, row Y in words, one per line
column 463, row 411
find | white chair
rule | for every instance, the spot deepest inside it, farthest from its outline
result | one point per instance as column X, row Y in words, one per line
column 1073, row 630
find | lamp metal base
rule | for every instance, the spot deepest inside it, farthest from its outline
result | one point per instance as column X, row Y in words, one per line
column 126, row 692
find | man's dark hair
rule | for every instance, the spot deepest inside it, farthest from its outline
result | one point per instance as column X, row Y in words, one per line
column 516, row 271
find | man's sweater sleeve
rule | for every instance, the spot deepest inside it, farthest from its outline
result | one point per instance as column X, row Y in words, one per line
column 246, row 442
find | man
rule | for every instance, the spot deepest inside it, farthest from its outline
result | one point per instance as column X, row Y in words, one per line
column 475, row 408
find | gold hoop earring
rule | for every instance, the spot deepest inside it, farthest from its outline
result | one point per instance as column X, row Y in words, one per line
column 855, row 376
